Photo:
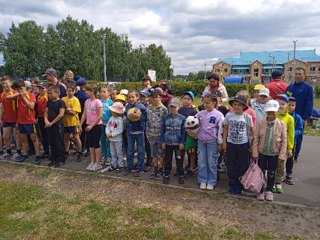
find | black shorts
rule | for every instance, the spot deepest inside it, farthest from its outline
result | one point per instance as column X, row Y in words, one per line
column 8, row 124
column 72, row 129
column 93, row 137
column 27, row 128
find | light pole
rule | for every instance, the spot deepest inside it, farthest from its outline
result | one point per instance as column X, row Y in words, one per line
column 171, row 67
column 294, row 50
column 273, row 58
column 104, row 57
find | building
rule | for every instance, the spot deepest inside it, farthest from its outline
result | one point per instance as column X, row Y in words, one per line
column 256, row 67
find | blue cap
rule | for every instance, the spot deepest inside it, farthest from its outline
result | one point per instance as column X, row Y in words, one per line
column 145, row 92
column 42, row 85
column 189, row 93
column 283, row 97
column 81, row 82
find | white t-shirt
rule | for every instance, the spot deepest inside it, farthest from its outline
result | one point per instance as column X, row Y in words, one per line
column 238, row 126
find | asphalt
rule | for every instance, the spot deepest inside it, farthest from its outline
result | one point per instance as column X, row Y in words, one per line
column 305, row 192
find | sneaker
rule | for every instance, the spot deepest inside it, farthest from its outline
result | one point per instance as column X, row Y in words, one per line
column 166, row 180
column 96, row 167
column 159, row 176
column 111, row 169
column 203, row 186
column 210, row 187
column 138, row 173
column 6, row 156
column 118, row 170
column 153, row 174
column 127, row 172
column 89, row 167
column 269, row 196
column 260, row 196
column 51, row 164
column 79, row 157
column 277, row 188
column 44, row 156
column 15, row 156
column 181, row 180
column 21, row 159
column 146, row 168
column 189, row 174
column 289, row 180
column 37, row 160
column 235, row 190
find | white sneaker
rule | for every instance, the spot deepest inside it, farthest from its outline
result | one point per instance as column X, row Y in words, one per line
column 96, row 167
column 6, row 156
column 89, row 167
column 15, row 156
column 210, row 187
column 269, row 196
column 260, row 196
column 203, row 186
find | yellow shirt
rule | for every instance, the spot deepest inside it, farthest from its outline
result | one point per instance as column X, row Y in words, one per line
column 74, row 104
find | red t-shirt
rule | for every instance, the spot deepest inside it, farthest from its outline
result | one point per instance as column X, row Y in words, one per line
column 9, row 107
column 26, row 115
column 276, row 87
column 41, row 105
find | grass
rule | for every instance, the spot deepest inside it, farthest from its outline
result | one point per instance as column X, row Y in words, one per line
column 32, row 212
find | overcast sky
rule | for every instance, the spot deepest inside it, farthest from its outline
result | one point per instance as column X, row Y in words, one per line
column 192, row 31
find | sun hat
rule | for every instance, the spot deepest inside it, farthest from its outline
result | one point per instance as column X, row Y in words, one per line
column 264, row 92
column 241, row 99
column 271, row 106
column 117, row 107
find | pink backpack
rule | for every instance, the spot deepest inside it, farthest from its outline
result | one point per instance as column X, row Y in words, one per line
column 253, row 179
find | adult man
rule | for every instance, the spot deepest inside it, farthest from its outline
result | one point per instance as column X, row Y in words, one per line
column 276, row 86
column 51, row 75
column 303, row 93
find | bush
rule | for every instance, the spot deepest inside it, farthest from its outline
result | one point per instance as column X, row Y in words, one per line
column 317, row 91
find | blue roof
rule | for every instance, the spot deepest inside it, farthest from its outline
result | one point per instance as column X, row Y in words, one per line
column 266, row 57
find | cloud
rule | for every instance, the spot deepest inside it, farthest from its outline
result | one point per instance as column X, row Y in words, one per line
column 191, row 31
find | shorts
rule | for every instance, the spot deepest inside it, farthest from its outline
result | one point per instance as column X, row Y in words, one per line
column 156, row 148
column 192, row 151
column 8, row 124
column 72, row 129
column 93, row 137
column 27, row 128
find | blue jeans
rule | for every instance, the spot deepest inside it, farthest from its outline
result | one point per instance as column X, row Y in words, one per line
column 207, row 162
column 132, row 139
column 105, row 144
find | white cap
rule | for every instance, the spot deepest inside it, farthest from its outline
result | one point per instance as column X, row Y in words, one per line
column 124, row 91
column 27, row 84
column 272, row 106
column 264, row 92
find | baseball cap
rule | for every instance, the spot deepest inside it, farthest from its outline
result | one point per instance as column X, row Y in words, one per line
column 145, row 93
column 218, row 93
column 264, row 92
column 50, row 71
column 258, row 87
column 27, row 84
column 42, row 85
column 174, row 102
column 124, row 91
column 283, row 97
column 271, row 106
column 292, row 99
column 81, row 82
column 190, row 94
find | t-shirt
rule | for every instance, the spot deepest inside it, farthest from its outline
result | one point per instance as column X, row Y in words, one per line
column 155, row 116
column 106, row 111
column 186, row 112
column 74, row 104
column 26, row 115
column 41, row 105
column 92, row 107
column 238, row 126
column 54, row 109
column 9, row 107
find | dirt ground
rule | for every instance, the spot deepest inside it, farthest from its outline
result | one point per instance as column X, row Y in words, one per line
column 281, row 221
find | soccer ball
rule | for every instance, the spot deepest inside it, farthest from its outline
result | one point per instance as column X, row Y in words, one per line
column 134, row 114
column 193, row 124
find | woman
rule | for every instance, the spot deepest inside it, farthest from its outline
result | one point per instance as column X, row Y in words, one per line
column 214, row 85
column 68, row 77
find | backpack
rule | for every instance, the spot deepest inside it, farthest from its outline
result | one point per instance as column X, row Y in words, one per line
column 253, row 179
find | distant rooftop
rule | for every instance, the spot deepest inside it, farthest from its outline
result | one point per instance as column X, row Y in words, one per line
column 266, row 57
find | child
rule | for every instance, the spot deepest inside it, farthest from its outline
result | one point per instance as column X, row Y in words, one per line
column 173, row 136
column 53, row 118
column 156, row 111
column 238, row 128
column 105, row 145
column 258, row 105
column 71, row 121
column 135, row 126
column 144, row 99
column 114, row 129
column 26, row 120
column 269, row 145
column 284, row 116
column 255, row 91
column 191, row 144
column 166, row 96
column 8, row 117
column 210, row 121
column 298, row 127
column 92, row 115
column 114, row 93
column 42, row 101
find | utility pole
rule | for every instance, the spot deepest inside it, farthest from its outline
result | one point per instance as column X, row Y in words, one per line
column 205, row 70
column 104, row 57
column 294, row 50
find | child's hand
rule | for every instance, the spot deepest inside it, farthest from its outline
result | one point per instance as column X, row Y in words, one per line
column 47, row 124
column 80, row 130
column 181, row 146
column 88, row 128
column 290, row 154
column 224, row 146
column 163, row 146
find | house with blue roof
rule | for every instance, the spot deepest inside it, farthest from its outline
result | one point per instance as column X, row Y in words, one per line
column 256, row 67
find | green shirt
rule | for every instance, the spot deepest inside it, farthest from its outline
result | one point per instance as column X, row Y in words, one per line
column 268, row 146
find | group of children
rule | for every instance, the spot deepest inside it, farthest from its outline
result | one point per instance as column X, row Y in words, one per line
column 117, row 125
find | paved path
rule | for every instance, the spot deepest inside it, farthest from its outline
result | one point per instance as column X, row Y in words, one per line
column 306, row 190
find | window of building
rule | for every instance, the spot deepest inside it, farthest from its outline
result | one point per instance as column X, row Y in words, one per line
column 290, row 69
column 256, row 72
column 319, row 69
column 312, row 69
column 226, row 70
